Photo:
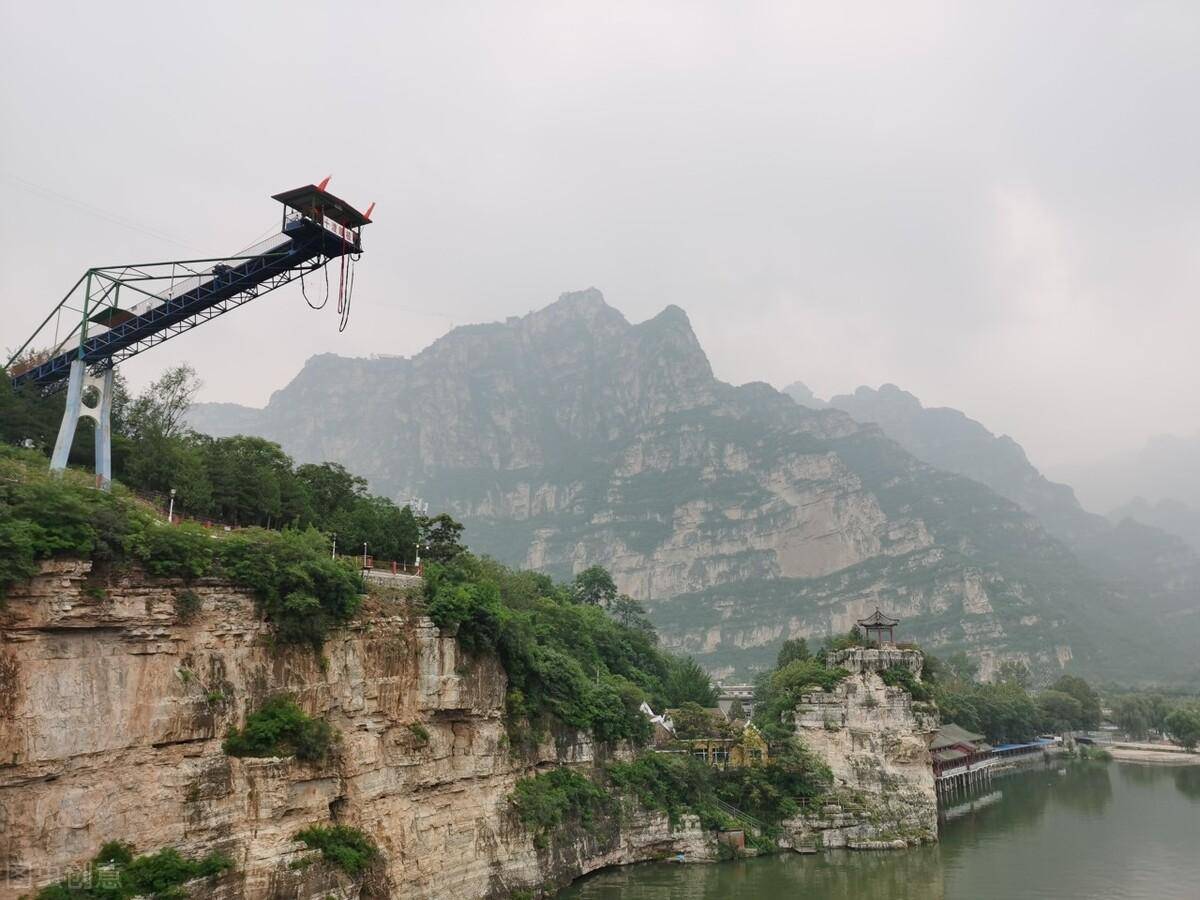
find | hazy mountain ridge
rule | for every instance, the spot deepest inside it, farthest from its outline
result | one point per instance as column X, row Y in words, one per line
column 950, row 440
column 1158, row 567
column 1167, row 468
column 1171, row 516
column 569, row 437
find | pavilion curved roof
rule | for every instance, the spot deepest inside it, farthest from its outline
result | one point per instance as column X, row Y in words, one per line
column 878, row 618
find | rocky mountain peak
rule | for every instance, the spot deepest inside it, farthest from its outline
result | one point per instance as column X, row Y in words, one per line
column 589, row 300
column 570, row 437
column 892, row 393
column 574, row 309
column 802, row 394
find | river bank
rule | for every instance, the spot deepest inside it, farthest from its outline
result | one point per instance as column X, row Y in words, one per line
column 1147, row 753
column 1069, row 830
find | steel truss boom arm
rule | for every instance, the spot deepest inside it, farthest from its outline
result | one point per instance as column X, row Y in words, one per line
column 168, row 298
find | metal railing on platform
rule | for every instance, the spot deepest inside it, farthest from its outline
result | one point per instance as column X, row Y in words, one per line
column 372, row 566
column 742, row 818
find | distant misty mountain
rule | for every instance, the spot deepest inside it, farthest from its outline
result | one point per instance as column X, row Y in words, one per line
column 950, row 440
column 802, row 394
column 1168, row 515
column 1166, row 468
column 571, row 437
column 1136, row 551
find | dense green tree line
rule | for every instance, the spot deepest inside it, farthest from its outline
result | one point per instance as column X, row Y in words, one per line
column 1005, row 711
column 235, row 480
column 1144, row 714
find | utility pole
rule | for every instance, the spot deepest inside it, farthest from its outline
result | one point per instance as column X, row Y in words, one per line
column 364, row 554
column 334, row 555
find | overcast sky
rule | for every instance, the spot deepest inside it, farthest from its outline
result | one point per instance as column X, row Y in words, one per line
column 995, row 206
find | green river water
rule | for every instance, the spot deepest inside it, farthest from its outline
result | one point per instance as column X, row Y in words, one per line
column 1087, row 830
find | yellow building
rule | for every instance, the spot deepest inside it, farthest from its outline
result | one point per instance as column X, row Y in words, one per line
column 747, row 749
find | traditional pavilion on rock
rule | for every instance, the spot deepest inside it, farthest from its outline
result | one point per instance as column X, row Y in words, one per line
column 876, row 624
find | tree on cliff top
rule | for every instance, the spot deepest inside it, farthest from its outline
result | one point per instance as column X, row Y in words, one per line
column 632, row 615
column 694, row 721
column 160, row 409
column 777, row 692
column 688, row 682
column 594, row 586
column 792, row 649
column 567, row 662
column 440, row 538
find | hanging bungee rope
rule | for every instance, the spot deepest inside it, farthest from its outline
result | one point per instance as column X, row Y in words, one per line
column 349, row 293
column 304, row 292
column 346, row 261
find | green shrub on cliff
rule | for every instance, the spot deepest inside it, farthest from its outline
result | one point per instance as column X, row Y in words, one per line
column 676, row 784
column 184, row 551
column 18, row 554
column 775, row 791
column 281, row 728
column 777, row 693
column 548, row 800
column 116, row 874
column 42, row 517
column 900, row 677
column 303, row 592
column 567, row 662
column 341, row 845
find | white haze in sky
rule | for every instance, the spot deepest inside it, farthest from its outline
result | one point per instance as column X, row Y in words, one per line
column 996, row 206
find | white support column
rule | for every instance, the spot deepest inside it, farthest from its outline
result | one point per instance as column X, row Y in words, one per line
column 101, row 413
column 104, row 432
column 66, row 431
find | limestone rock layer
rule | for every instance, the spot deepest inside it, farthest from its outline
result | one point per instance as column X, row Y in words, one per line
column 112, row 712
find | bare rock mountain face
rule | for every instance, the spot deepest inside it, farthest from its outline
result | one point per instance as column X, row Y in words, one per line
column 876, row 742
column 571, row 437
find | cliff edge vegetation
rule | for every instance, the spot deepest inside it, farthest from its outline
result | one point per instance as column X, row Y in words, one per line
column 301, row 591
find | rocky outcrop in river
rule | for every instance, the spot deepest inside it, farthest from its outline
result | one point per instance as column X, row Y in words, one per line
column 876, row 742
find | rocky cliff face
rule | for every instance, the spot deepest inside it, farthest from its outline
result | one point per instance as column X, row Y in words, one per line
column 112, row 711
column 570, row 437
column 1156, row 567
column 950, row 440
column 877, row 744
